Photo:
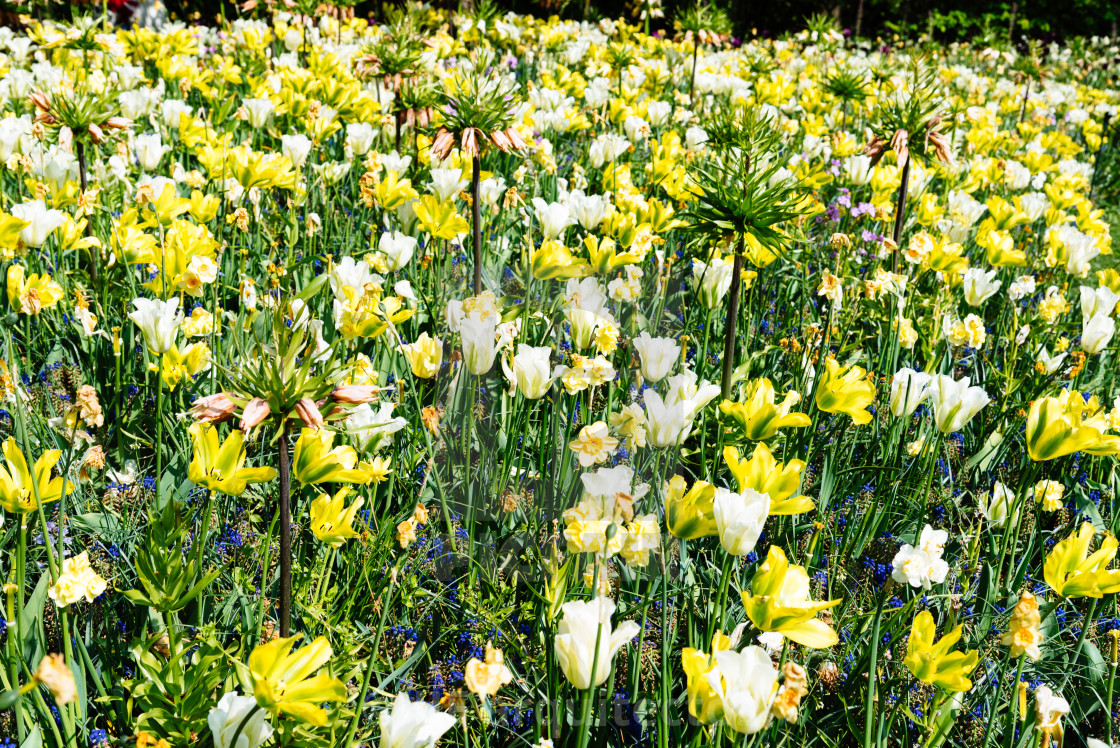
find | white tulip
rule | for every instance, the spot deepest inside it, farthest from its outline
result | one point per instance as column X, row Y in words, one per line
column 1097, row 333
column 589, row 210
column 1096, row 301
column 259, row 111
column 150, row 150
column 42, row 221
column 858, row 169
column 373, row 429
column 657, row 355
column 479, row 344
column 359, row 137
column 746, row 689
column 979, row 286
column 554, row 218
column 413, row 724
column 955, row 403
column 397, row 249
column 908, row 389
column 712, row 281
column 740, row 518
column 585, row 628
column 158, row 321
column 296, row 148
column 172, row 110
column 226, row 720
column 530, row 372
column 447, row 183
column 998, row 504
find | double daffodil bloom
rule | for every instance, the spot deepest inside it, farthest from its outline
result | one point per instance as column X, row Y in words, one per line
column 779, row 601
column 18, row 490
column 221, row 467
column 704, row 702
column 689, row 513
column 759, row 416
column 933, row 664
column 1072, row 572
column 316, row 462
column 846, row 390
column 283, row 681
column 766, row 475
column 331, row 521
column 1068, row 423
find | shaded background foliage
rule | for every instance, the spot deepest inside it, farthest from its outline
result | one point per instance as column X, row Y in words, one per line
column 942, row 20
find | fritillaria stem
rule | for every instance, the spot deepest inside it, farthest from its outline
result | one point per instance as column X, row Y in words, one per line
column 476, row 220
column 285, row 541
column 730, row 329
column 900, row 212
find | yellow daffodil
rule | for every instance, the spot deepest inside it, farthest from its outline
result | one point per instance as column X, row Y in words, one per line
column 845, row 390
column 19, row 490
column 31, row 294
column 315, row 461
column 933, row 664
column 283, row 681
column 331, row 521
column 766, row 475
column 779, row 601
column 220, row 467
column 1024, row 632
column 1068, row 423
column 1072, row 571
column 689, row 514
column 759, row 416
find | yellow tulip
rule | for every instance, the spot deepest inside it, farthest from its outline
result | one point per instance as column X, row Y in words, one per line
column 1001, row 248
column 330, row 521
column 779, row 601
column 31, row 294
column 934, row 664
column 1068, row 423
column 704, row 703
column 759, row 416
column 552, row 260
column 283, row 681
column 392, row 191
column 1072, row 571
column 766, row 475
column 846, row 390
column 424, row 356
column 315, row 462
column 19, row 490
column 604, row 255
column 439, row 219
column 689, row 514
column 185, row 364
column 221, row 467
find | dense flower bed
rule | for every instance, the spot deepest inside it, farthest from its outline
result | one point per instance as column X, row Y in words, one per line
column 501, row 381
